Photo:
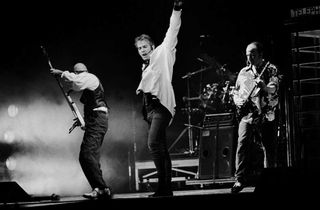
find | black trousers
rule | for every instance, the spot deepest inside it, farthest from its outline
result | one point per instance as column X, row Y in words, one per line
column 158, row 119
column 89, row 157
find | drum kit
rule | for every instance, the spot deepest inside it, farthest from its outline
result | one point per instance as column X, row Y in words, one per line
column 213, row 98
column 216, row 98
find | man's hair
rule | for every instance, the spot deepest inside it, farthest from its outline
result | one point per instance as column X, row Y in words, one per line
column 143, row 37
column 259, row 46
column 79, row 67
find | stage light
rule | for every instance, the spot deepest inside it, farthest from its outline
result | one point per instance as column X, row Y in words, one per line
column 11, row 163
column 9, row 136
column 13, row 110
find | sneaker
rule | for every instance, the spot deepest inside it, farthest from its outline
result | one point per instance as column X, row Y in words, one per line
column 92, row 195
column 99, row 194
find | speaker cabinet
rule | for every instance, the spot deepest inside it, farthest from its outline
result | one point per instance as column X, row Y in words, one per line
column 12, row 192
column 217, row 152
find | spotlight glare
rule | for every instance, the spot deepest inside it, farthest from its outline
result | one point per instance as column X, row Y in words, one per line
column 9, row 136
column 11, row 163
column 13, row 110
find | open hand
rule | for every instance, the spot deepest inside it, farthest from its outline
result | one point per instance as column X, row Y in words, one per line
column 55, row 71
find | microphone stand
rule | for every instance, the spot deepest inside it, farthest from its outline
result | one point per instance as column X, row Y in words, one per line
column 189, row 127
column 189, row 74
column 190, row 132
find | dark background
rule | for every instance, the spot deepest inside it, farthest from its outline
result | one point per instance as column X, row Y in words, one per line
column 101, row 36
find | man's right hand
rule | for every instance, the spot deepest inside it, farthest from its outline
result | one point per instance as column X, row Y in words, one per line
column 238, row 101
column 177, row 4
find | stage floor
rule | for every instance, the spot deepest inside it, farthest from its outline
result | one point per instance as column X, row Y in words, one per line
column 184, row 193
column 248, row 198
column 185, row 198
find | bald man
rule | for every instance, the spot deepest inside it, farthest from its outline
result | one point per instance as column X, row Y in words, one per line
column 256, row 99
column 96, row 121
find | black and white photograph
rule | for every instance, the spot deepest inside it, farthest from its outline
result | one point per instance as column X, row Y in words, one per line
column 148, row 104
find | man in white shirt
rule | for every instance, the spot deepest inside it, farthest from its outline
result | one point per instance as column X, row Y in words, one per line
column 96, row 125
column 158, row 95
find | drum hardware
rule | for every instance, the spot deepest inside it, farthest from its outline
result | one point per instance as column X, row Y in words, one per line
column 188, row 109
column 191, row 110
column 189, row 74
column 184, row 98
column 194, row 126
column 213, row 99
column 187, row 128
column 225, row 92
column 217, row 98
column 222, row 119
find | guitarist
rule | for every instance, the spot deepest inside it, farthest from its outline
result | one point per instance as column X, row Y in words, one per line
column 96, row 121
column 256, row 99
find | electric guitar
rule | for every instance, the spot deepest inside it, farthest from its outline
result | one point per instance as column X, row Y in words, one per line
column 247, row 106
column 78, row 120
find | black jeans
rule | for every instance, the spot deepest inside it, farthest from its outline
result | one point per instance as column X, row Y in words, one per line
column 158, row 119
column 89, row 157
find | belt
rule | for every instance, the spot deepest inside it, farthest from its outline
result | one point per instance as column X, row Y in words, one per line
column 101, row 109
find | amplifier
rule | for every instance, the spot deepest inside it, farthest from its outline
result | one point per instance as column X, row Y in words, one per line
column 217, row 152
column 220, row 119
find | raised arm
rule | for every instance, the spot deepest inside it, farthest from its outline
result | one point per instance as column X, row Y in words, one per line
column 170, row 39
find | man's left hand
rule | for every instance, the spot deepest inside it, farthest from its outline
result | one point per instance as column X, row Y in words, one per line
column 55, row 71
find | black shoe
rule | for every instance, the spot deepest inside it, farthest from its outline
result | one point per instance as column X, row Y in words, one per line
column 99, row 194
column 237, row 187
column 106, row 193
column 161, row 194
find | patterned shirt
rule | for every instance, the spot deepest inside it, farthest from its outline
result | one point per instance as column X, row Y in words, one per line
column 260, row 103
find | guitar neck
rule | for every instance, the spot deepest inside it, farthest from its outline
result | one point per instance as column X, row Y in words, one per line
column 259, row 76
column 72, row 105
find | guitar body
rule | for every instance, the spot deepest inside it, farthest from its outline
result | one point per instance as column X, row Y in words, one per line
column 244, row 110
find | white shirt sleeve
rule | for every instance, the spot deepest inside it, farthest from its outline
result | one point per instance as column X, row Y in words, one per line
column 81, row 81
column 170, row 41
